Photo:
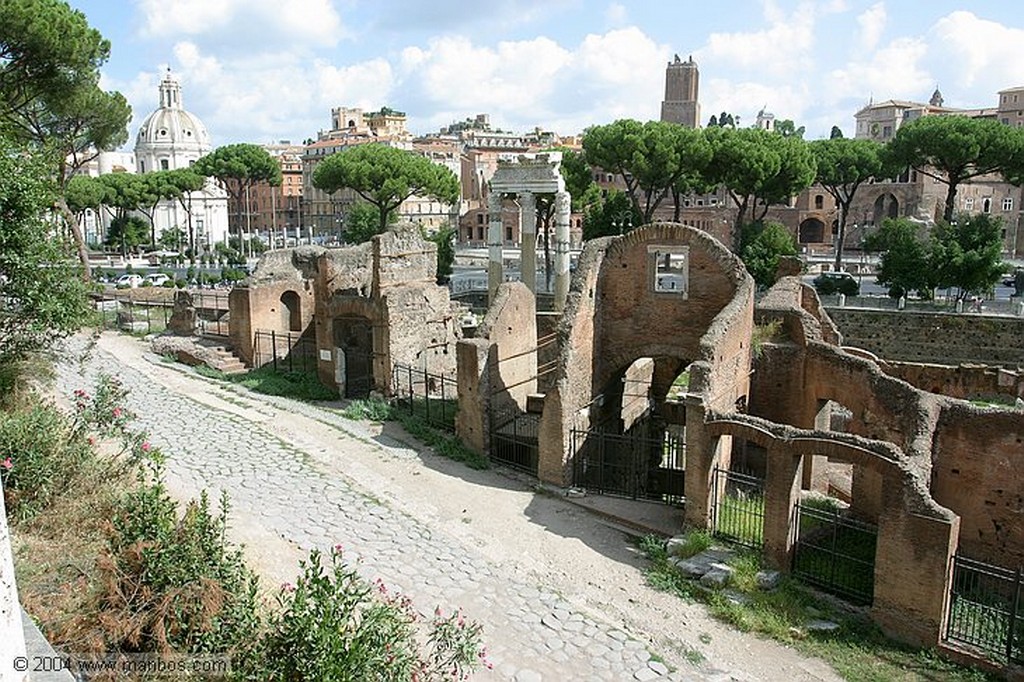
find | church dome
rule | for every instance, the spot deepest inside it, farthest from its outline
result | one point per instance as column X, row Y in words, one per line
column 170, row 137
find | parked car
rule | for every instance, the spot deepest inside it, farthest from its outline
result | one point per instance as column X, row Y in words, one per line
column 128, row 280
column 157, row 279
column 828, row 283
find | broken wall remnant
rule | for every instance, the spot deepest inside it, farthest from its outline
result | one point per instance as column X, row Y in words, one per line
column 497, row 369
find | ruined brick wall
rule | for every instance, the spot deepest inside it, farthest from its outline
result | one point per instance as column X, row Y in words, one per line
column 282, row 278
column 979, row 474
column 402, row 257
column 966, row 382
column 511, row 328
column 421, row 327
column 635, row 321
column 943, row 338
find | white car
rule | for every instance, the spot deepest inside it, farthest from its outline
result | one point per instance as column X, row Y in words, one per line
column 128, row 280
column 157, row 279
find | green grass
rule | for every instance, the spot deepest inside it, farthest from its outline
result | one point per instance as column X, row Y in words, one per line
column 858, row 650
column 298, row 385
column 434, row 410
column 444, row 444
column 741, row 518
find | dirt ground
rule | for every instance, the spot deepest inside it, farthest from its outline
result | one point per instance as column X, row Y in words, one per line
column 539, row 536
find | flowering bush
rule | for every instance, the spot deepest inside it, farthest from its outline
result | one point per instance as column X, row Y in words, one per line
column 334, row 625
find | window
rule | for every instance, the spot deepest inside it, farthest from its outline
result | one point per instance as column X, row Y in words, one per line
column 508, row 234
column 887, row 131
column 986, row 205
column 670, row 271
column 479, row 218
column 819, row 201
column 969, row 204
column 142, row 166
column 1007, row 203
column 164, row 165
column 480, row 233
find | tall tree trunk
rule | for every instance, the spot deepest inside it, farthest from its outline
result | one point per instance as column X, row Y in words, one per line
column 844, row 210
column 76, row 231
column 947, row 213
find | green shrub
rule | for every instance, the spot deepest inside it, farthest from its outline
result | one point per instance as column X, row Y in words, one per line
column 39, row 457
column 337, row 624
column 372, row 409
column 174, row 584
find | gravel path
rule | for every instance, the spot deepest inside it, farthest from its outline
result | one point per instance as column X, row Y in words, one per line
column 558, row 592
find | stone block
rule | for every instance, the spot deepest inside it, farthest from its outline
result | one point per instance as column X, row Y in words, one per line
column 720, row 575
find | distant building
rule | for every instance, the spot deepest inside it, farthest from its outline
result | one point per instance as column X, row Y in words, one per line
column 276, row 211
column 171, row 138
column 682, row 90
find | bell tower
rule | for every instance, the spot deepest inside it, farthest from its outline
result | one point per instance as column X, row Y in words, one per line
column 682, row 84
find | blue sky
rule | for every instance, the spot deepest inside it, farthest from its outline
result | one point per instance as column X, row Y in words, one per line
column 266, row 70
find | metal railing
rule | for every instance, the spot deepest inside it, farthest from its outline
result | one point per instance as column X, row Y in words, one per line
column 134, row 315
column 737, row 508
column 985, row 610
column 286, row 351
column 637, row 464
column 515, row 439
column 835, row 553
column 433, row 397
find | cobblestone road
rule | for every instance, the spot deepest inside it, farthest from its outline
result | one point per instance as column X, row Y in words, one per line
column 532, row 633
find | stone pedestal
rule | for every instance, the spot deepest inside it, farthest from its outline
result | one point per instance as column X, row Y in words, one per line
column 528, row 241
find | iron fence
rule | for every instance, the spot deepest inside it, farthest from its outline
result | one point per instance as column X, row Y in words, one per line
column 515, row 439
column 433, row 397
column 985, row 610
column 835, row 553
column 285, row 351
column 211, row 312
column 637, row 464
column 737, row 508
column 134, row 315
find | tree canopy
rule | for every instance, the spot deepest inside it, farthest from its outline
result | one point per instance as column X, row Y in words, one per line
column 843, row 165
column 904, row 263
column 759, row 168
column 385, row 177
column 41, row 296
column 967, row 253
column 763, row 245
column 238, row 168
column 953, row 149
column 650, row 157
column 362, row 222
column 50, row 97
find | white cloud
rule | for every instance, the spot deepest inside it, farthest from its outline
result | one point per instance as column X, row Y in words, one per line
column 745, row 99
column 616, row 15
column 310, row 21
column 780, row 48
column 872, row 24
column 892, row 72
column 983, row 55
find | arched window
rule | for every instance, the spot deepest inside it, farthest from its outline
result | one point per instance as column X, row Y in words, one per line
column 819, row 201
column 292, row 310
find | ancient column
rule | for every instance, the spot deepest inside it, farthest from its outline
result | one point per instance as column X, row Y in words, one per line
column 561, row 264
column 495, row 273
column 528, row 241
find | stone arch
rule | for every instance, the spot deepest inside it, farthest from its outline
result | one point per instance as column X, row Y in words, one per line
column 886, row 206
column 291, row 311
column 812, row 231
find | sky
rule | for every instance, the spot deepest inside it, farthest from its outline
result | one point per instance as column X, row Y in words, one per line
column 268, row 70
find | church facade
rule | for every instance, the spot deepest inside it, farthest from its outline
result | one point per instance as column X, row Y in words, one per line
column 172, row 138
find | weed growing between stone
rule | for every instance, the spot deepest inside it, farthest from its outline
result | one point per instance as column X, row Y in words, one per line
column 857, row 649
column 266, row 380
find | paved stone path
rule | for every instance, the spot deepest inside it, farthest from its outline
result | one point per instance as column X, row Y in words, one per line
column 532, row 633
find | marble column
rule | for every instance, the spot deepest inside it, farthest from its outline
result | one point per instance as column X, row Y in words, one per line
column 562, row 208
column 495, row 240
column 528, row 240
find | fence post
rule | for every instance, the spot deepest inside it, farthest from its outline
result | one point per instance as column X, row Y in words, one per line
column 149, row 317
column 1012, row 631
column 444, row 406
column 273, row 346
column 291, row 348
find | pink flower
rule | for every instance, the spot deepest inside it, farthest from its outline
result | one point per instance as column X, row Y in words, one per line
column 7, row 464
column 117, row 412
column 338, row 548
column 92, row 440
column 146, row 447
column 287, row 587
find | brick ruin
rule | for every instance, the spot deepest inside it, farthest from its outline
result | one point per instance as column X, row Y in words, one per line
column 934, row 474
column 360, row 310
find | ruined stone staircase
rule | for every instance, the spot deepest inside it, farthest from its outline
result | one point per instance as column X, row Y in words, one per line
column 226, row 361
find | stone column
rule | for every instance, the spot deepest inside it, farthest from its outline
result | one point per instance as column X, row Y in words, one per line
column 495, row 271
column 562, row 208
column 782, row 490
column 528, row 240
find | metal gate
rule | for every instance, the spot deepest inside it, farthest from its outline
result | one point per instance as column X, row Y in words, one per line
column 737, row 507
column 985, row 610
column 514, row 439
column 835, row 553
column 636, row 464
